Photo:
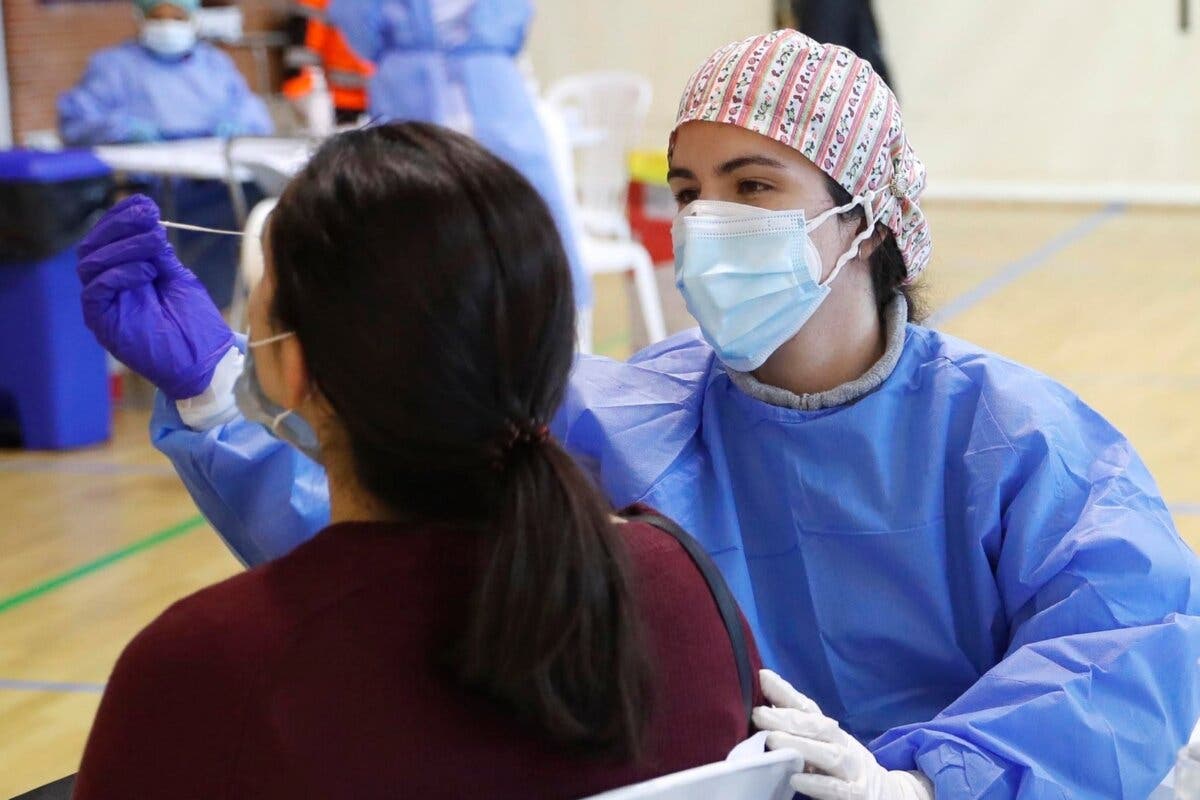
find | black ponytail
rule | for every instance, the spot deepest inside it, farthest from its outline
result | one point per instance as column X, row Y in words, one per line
column 552, row 631
column 429, row 289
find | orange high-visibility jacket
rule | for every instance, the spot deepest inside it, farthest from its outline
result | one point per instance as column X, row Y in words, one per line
column 345, row 72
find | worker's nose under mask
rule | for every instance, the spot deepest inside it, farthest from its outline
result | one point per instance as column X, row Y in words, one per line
column 752, row 277
column 255, row 406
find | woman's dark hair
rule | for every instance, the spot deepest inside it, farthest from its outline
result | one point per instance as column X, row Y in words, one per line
column 888, row 272
column 428, row 287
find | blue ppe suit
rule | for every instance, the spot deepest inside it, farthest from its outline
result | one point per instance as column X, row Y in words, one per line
column 439, row 60
column 967, row 567
column 130, row 94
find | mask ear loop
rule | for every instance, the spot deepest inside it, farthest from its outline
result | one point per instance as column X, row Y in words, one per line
column 867, row 201
column 280, row 417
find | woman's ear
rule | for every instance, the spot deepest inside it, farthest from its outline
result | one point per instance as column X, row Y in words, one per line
column 297, row 382
column 867, row 248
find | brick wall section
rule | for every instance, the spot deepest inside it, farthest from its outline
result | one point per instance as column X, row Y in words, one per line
column 49, row 47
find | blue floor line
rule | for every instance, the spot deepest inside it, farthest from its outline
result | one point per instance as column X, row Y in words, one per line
column 1163, row 380
column 1023, row 266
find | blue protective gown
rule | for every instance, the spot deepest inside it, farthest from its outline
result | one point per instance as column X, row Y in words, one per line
column 453, row 62
column 129, row 94
column 968, row 567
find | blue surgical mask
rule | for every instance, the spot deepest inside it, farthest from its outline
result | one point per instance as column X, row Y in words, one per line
column 752, row 277
column 255, row 406
column 170, row 38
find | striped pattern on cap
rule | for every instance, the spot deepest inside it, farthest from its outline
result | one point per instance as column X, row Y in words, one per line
column 827, row 103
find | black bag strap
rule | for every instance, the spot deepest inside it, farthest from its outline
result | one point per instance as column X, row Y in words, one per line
column 726, row 604
column 60, row 789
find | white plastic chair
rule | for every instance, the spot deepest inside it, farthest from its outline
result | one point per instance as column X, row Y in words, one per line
column 759, row 777
column 614, row 255
column 250, row 263
column 601, row 255
column 605, row 113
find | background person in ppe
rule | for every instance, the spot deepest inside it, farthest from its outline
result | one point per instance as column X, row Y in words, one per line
column 474, row 621
column 168, row 85
column 321, row 45
column 850, row 23
column 454, row 62
column 968, row 574
column 164, row 85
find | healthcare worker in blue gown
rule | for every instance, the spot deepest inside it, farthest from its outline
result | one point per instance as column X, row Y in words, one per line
column 968, row 576
column 167, row 84
column 453, row 62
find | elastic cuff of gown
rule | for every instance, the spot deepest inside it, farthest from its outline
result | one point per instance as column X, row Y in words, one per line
column 216, row 404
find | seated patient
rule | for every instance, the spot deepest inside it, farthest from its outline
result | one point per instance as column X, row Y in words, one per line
column 474, row 621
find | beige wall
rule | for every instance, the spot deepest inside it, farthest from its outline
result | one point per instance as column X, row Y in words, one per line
column 662, row 39
column 1081, row 97
column 1071, row 99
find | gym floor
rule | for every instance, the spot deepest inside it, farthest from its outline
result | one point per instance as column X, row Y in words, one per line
column 97, row 542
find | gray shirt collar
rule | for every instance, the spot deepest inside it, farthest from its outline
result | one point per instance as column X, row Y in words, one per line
column 896, row 320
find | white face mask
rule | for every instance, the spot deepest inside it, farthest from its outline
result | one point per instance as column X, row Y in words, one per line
column 752, row 277
column 168, row 37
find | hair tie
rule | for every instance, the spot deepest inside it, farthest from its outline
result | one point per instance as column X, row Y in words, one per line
column 518, row 433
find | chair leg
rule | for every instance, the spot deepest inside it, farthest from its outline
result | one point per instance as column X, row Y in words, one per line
column 583, row 332
column 648, row 297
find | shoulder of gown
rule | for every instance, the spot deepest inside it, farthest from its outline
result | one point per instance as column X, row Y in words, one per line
column 628, row 422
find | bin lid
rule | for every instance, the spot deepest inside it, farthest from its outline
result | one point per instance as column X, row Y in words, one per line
column 42, row 166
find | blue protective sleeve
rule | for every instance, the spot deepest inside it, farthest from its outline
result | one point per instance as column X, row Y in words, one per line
column 96, row 110
column 360, row 21
column 1098, row 685
column 262, row 495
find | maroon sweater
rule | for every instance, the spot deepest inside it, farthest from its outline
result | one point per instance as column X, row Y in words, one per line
column 319, row 675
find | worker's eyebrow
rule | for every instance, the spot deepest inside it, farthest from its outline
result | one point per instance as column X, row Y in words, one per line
column 730, row 166
column 734, row 164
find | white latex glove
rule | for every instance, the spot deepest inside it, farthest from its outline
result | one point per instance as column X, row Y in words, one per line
column 837, row 767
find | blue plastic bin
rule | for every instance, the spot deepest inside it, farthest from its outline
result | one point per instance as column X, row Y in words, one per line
column 54, row 390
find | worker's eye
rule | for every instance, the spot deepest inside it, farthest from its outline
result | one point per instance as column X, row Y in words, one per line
column 685, row 196
column 752, row 187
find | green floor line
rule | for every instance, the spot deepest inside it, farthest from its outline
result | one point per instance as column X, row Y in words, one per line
column 46, row 586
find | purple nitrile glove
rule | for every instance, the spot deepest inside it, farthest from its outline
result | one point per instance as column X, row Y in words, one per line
column 145, row 307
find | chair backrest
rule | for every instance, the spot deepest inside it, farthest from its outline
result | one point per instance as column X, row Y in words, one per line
column 252, row 254
column 558, row 147
column 760, row 777
column 605, row 113
column 251, row 261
